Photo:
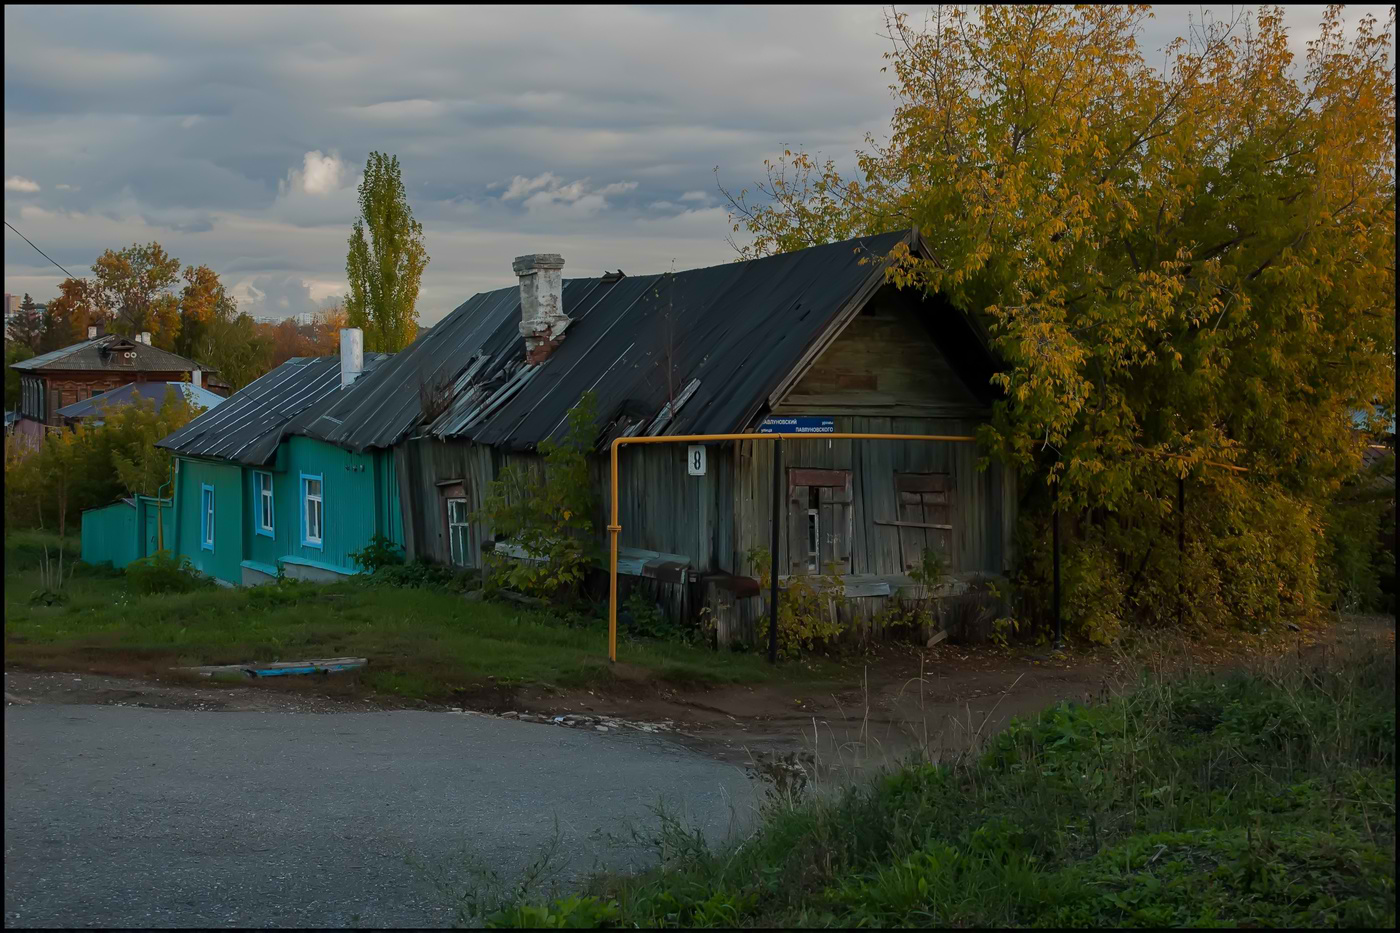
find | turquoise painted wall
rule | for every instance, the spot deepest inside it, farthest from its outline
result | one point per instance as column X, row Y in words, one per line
column 121, row 532
column 349, row 501
column 225, row 560
column 109, row 534
column 359, row 496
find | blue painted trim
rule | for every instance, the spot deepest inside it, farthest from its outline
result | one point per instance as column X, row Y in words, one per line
column 318, row 544
column 319, row 565
column 259, row 478
column 260, row 567
column 206, row 506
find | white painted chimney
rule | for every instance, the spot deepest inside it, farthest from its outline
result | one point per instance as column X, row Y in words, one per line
column 146, row 337
column 542, row 317
column 197, row 377
column 92, row 331
column 352, row 355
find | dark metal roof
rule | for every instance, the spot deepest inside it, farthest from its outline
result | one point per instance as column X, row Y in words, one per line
column 125, row 395
column 95, row 355
column 250, row 424
column 728, row 335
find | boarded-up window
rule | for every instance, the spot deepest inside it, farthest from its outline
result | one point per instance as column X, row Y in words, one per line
column 819, row 521
column 925, row 517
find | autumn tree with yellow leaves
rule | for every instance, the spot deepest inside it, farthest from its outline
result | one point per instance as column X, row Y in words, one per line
column 1180, row 261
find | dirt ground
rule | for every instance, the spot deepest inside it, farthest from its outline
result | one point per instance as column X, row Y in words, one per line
column 903, row 701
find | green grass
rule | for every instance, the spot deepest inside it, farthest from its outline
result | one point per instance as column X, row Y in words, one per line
column 422, row 643
column 1255, row 799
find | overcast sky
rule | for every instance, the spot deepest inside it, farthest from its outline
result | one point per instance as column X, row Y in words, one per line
column 235, row 136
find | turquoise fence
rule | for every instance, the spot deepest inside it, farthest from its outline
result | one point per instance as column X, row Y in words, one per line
column 127, row 530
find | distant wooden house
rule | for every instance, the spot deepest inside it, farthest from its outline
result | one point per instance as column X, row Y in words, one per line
column 816, row 335
column 103, row 362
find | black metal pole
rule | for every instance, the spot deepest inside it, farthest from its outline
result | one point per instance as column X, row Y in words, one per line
column 1180, row 548
column 1059, row 623
column 778, row 494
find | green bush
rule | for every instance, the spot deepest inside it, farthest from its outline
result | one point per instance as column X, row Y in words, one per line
column 163, row 572
column 380, row 552
column 639, row 617
column 419, row 574
column 548, row 513
column 1360, row 521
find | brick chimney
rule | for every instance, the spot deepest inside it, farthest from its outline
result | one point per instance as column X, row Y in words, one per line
column 92, row 331
column 542, row 317
column 146, row 337
column 352, row 355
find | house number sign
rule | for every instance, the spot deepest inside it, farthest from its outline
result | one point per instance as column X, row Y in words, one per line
column 695, row 459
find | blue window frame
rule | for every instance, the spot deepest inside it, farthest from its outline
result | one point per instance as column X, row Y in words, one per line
column 206, row 517
column 312, row 510
column 262, row 504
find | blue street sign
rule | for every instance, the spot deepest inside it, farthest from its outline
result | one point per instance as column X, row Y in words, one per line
column 799, row 424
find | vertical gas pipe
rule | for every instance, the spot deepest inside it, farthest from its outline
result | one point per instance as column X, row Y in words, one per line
column 613, row 530
column 778, row 494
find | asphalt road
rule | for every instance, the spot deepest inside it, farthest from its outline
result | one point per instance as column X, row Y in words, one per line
column 128, row 817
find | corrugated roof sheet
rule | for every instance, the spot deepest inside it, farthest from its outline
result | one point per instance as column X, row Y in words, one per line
column 734, row 332
column 154, row 391
column 88, row 355
column 250, row 424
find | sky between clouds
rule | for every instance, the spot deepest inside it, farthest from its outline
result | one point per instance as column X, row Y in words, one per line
column 235, row 136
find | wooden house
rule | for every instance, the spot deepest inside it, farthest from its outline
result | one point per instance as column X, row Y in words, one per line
column 816, row 335
column 103, row 362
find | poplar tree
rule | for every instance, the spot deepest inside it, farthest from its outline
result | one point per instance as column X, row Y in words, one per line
column 386, row 260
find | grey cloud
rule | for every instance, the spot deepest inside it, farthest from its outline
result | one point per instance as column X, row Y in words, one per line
column 183, row 123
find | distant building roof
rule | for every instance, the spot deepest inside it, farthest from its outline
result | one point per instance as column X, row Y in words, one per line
column 108, row 352
column 125, row 395
column 250, row 424
column 1358, row 421
column 1373, row 454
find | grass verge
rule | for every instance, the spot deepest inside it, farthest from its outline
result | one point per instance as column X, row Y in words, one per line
column 1265, row 797
column 422, row 643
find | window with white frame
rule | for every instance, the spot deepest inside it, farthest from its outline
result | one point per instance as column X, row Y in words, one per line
column 264, row 503
column 457, row 531
column 311, row 512
column 206, row 518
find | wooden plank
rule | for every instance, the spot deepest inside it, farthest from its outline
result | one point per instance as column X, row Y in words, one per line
column 810, row 477
column 912, row 536
column 797, row 499
column 825, row 340
column 900, row 524
column 922, row 482
column 841, row 542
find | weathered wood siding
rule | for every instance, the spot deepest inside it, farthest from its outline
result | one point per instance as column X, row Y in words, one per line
column 978, row 501
column 885, row 363
column 661, row 507
column 420, row 465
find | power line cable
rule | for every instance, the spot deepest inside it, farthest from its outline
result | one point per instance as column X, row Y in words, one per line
column 41, row 252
